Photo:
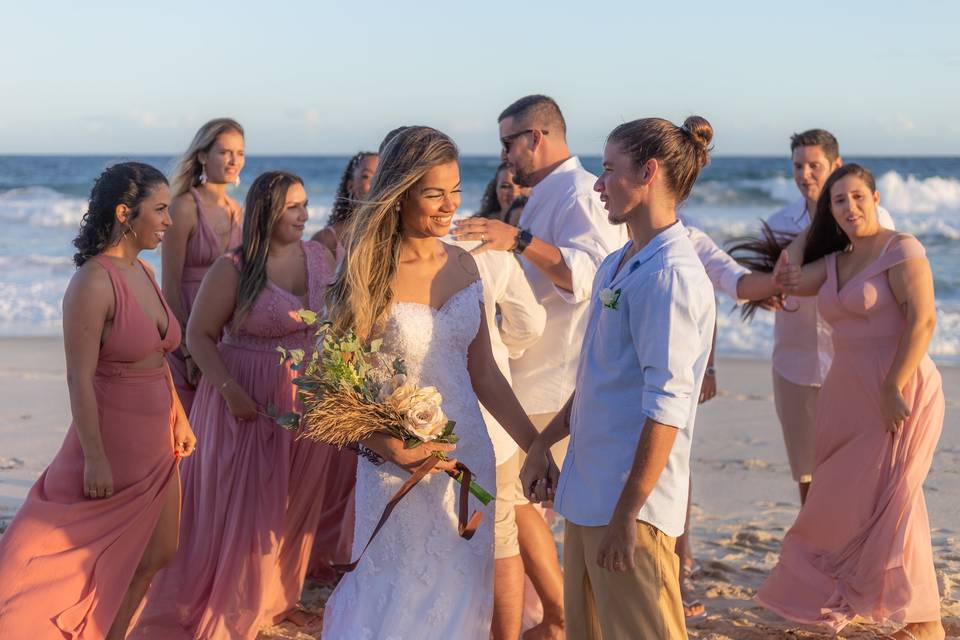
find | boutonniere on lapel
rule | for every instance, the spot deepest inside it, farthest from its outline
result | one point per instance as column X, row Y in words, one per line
column 610, row 298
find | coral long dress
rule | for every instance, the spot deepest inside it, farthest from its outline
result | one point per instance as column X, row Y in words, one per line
column 253, row 495
column 861, row 543
column 203, row 248
column 66, row 560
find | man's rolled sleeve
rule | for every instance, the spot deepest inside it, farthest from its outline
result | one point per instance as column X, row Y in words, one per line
column 724, row 272
column 664, row 334
column 583, row 247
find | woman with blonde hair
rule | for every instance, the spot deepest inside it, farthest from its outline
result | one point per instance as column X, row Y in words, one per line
column 252, row 503
column 206, row 223
column 400, row 282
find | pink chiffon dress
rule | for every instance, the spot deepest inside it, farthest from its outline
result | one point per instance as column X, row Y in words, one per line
column 67, row 560
column 203, row 248
column 253, row 495
column 334, row 537
column 861, row 543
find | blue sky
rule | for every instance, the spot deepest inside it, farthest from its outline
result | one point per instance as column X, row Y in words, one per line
column 331, row 77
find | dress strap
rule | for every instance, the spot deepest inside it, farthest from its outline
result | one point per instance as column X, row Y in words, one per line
column 201, row 214
column 120, row 294
column 119, row 286
column 900, row 248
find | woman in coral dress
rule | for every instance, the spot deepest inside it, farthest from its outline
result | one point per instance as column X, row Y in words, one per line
column 861, row 543
column 253, row 501
column 103, row 517
column 205, row 224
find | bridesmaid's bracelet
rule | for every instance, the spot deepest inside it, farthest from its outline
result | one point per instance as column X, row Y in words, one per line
column 223, row 385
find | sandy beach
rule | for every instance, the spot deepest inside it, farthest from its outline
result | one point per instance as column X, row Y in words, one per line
column 744, row 498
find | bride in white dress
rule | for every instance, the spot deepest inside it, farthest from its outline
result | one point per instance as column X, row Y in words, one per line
column 419, row 579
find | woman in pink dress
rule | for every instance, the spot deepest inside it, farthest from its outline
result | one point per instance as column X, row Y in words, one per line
column 205, row 224
column 103, row 517
column 251, row 503
column 861, row 543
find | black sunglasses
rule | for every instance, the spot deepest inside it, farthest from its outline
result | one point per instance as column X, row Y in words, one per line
column 507, row 140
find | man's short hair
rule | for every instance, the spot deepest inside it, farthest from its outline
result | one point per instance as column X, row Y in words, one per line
column 817, row 138
column 536, row 109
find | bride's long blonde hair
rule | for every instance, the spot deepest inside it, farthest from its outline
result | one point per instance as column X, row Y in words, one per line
column 361, row 293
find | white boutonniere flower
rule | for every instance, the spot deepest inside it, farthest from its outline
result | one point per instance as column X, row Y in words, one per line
column 610, row 298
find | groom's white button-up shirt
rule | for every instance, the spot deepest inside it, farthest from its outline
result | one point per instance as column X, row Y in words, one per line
column 644, row 359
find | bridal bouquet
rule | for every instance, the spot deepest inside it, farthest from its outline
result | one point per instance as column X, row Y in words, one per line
column 349, row 391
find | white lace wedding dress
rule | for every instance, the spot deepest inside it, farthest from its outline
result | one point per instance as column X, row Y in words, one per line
column 419, row 579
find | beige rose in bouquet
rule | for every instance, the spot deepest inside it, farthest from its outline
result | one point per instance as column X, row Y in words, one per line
column 420, row 408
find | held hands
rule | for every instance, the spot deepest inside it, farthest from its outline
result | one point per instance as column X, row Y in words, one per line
column 492, row 234
column 618, row 545
column 894, row 408
column 539, row 475
column 786, row 276
column 97, row 477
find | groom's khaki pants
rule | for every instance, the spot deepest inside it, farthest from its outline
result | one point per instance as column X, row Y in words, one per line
column 643, row 604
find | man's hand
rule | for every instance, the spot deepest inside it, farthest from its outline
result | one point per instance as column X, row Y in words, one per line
column 539, row 475
column 618, row 545
column 492, row 234
column 709, row 388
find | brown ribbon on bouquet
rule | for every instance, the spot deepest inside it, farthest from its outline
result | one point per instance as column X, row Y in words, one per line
column 465, row 527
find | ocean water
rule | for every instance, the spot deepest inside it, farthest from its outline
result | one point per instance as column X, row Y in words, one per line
column 42, row 199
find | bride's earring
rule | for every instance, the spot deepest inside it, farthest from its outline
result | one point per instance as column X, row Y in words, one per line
column 203, row 175
column 236, row 181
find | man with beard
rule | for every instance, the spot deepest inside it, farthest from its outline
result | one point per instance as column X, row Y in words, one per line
column 562, row 237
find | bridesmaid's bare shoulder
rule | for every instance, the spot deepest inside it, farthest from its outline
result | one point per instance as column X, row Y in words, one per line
column 89, row 288
column 183, row 210
column 224, row 269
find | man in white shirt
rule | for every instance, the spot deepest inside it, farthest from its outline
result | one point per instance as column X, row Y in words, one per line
column 562, row 238
column 802, row 344
column 522, row 320
column 623, row 487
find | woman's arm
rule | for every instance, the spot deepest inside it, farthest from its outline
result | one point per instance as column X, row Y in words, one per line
column 494, row 392
column 173, row 255
column 212, row 310
column 912, row 285
column 787, row 278
column 87, row 305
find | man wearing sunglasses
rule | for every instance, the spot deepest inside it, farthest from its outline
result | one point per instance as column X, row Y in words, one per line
column 562, row 237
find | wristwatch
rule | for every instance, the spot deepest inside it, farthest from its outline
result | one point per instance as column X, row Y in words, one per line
column 711, row 371
column 524, row 238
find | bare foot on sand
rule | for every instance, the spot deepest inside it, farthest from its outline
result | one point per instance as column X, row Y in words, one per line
column 546, row 630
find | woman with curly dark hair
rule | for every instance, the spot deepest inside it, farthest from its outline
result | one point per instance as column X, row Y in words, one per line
column 500, row 195
column 353, row 188
column 103, row 518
